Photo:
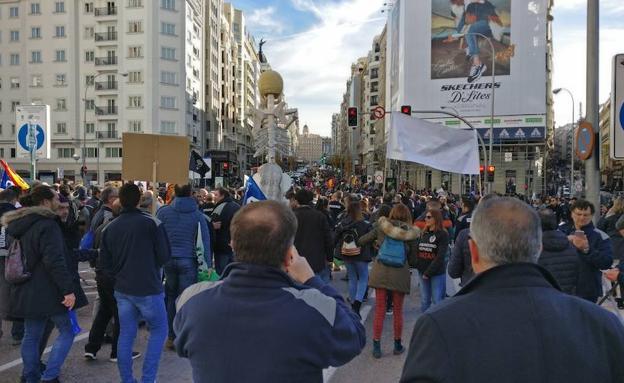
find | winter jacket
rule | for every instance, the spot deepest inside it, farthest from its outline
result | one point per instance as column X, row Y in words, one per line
column 361, row 228
column 386, row 277
column 607, row 224
column 42, row 244
column 224, row 213
column 4, row 286
column 432, row 249
column 463, row 222
column 313, row 239
column 133, row 250
column 460, row 263
column 599, row 257
column 104, row 214
column 560, row 258
column 180, row 220
column 283, row 331
column 335, row 208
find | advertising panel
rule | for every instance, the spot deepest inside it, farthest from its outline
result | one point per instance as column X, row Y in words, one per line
column 444, row 60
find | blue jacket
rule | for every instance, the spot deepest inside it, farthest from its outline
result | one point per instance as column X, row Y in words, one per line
column 599, row 257
column 133, row 250
column 180, row 220
column 279, row 330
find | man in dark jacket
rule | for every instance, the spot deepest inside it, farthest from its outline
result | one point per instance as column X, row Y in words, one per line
column 593, row 247
column 313, row 239
column 181, row 220
column 105, row 207
column 558, row 255
column 133, row 251
column 8, row 198
column 220, row 219
column 463, row 222
column 270, row 310
column 335, row 205
column 511, row 323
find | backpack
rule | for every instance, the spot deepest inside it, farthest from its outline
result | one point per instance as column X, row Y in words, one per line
column 87, row 240
column 392, row 252
column 15, row 264
column 349, row 247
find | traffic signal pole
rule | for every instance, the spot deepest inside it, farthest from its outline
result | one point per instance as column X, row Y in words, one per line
column 592, row 171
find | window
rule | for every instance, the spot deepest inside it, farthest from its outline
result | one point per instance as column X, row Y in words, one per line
column 90, row 104
column 374, row 87
column 1, row 149
column 135, row 102
column 15, row 82
column 113, row 152
column 14, row 12
column 60, row 55
column 135, row 126
column 12, row 128
column 135, row 27
column 14, row 36
column 35, row 33
column 374, row 100
column 89, row 56
column 89, row 80
column 135, row 52
column 167, row 29
column 61, row 127
column 59, row 31
column 88, row 8
column 135, row 3
column 167, row 102
column 168, row 53
column 15, row 60
column 89, row 32
column 90, row 128
column 168, row 4
column 14, row 104
column 374, row 73
column 12, row 152
column 36, row 80
column 35, row 9
column 59, row 7
column 66, row 152
column 135, row 77
column 167, row 127
column 61, row 104
column 91, row 153
column 168, row 78
column 35, row 57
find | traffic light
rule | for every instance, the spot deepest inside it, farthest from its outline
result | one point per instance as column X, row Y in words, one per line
column 352, row 117
column 481, row 170
column 490, row 173
column 406, row 109
column 225, row 167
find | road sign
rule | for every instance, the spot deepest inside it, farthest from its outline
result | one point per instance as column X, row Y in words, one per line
column 585, row 140
column 37, row 117
column 378, row 177
column 508, row 156
column 379, row 113
column 616, row 136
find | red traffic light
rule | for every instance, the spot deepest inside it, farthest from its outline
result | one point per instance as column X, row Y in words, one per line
column 226, row 166
column 352, row 117
column 406, row 109
column 481, row 169
column 491, row 169
column 352, row 112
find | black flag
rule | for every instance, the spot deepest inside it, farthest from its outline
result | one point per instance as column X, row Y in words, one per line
column 197, row 164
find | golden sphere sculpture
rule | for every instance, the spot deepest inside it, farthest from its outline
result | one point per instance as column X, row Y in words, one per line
column 270, row 83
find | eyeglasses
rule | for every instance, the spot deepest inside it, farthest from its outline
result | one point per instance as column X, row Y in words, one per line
column 428, row 217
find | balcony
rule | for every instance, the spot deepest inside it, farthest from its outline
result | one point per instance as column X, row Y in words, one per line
column 100, row 61
column 106, row 85
column 106, row 36
column 107, row 11
column 108, row 135
column 105, row 110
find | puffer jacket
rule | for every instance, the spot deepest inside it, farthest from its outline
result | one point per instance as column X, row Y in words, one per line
column 386, row 277
column 560, row 259
column 42, row 244
column 460, row 263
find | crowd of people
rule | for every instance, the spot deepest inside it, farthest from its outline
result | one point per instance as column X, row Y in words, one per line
column 517, row 263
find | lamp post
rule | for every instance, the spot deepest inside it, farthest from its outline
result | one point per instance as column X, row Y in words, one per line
column 557, row 91
column 76, row 158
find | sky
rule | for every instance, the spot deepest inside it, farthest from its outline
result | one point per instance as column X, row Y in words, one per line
column 312, row 43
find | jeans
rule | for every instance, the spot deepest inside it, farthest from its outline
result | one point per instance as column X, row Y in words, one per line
column 221, row 262
column 358, row 280
column 107, row 310
column 324, row 274
column 482, row 27
column 180, row 273
column 151, row 308
column 432, row 289
column 34, row 332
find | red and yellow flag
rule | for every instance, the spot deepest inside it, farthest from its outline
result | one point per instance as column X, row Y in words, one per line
column 14, row 177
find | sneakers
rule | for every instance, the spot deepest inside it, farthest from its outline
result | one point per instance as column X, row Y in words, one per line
column 135, row 354
column 476, row 71
column 398, row 347
column 90, row 356
column 376, row 349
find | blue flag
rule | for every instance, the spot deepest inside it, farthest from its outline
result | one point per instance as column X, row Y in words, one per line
column 4, row 181
column 253, row 192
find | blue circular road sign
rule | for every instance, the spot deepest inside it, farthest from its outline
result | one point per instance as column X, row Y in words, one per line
column 22, row 137
column 622, row 116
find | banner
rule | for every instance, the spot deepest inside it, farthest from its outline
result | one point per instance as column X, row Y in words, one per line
column 13, row 177
column 447, row 149
column 253, row 193
column 197, row 164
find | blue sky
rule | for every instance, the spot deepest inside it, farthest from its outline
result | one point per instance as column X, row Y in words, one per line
column 312, row 43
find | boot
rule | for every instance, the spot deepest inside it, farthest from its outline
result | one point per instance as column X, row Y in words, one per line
column 376, row 349
column 620, row 303
column 398, row 347
column 356, row 305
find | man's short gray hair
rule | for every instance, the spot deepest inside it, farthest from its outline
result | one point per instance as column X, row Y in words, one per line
column 107, row 193
column 506, row 230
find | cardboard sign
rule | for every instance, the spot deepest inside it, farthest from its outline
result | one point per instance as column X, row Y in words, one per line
column 157, row 158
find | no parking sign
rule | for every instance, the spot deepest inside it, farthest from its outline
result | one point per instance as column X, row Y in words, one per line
column 616, row 136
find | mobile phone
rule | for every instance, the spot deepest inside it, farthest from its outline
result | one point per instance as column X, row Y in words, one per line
column 579, row 233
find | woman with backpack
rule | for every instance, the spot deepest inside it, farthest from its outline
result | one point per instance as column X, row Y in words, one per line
column 356, row 258
column 396, row 238
column 431, row 259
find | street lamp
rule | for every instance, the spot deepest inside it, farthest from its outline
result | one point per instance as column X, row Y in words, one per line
column 76, row 158
column 557, row 91
column 84, row 130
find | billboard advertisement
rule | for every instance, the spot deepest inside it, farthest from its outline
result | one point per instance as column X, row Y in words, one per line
column 442, row 55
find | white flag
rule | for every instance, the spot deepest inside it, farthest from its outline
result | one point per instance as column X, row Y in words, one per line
column 435, row 145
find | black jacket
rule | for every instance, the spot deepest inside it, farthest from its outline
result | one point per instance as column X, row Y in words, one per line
column 463, row 222
column 4, row 286
column 560, row 258
column 460, row 263
column 432, row 249
column 224, row 212
column 43, row 246
column 361, row 228
column 607, row 224
column 313, row 239
column 511, row 324
column 335, row 208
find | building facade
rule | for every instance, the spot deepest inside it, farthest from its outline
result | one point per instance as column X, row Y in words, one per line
column 310, row 146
